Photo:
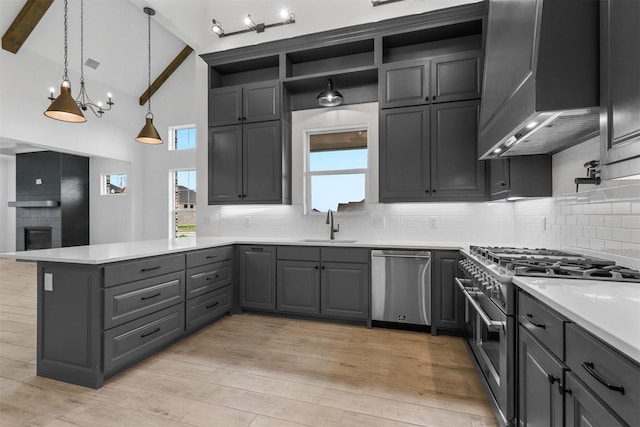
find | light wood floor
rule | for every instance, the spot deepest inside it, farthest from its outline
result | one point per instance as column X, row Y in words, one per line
column 247, row 370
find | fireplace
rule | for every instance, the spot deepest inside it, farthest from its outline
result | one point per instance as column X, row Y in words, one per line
column 37, row 238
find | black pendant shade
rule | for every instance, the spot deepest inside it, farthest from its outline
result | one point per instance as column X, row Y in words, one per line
column 330, row 97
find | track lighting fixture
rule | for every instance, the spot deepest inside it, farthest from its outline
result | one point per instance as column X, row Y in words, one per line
column 287, row 18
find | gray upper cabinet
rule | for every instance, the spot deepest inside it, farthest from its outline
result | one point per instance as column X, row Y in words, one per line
column 456, row 173
column 525, row 176
column 405, row 84
column 405, row 154
column 620, row 88
column 257, row 277
column 429, row 153
column 254, row 102
column 225, row 106
column 245, row 163
column 453, row 77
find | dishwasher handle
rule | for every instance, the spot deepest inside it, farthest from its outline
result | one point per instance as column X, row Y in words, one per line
column 401, row 256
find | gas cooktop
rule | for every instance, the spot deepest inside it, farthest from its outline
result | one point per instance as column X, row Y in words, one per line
column 554, row 263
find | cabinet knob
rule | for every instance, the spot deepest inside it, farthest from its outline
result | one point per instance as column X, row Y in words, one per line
column 323, row 267
column 426, row 191
column 502, row 183
column 244, row 118
column 434, row 97
column 433, row 191
column 240, row 196
column 239, row 119
column 316, row 267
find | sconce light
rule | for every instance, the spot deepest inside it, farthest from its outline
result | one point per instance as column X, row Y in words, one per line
column 382, row 2
column 287, row 18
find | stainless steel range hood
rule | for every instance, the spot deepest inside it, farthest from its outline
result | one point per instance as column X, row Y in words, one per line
column 541, row 88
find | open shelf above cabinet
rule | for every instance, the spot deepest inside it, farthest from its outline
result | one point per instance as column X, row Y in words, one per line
column 357, row 85
column 242, row 72
column 433, row 41
column 331, row 58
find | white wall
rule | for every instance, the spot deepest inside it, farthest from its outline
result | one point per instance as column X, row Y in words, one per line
column 175, row 104
column 599, row 220
column 7, row 194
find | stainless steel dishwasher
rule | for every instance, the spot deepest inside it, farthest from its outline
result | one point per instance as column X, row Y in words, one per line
column 401, row 286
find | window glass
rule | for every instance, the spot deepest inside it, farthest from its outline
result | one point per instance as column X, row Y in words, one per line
column 114, row 184
column 184, row 193
column 336, row 178
column 183, row 138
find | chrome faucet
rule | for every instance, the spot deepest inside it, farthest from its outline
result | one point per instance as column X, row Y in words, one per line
column 330, row 221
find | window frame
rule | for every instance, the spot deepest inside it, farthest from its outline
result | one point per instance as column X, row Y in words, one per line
column 172, row 139
column 173, row 210
column 307, row 174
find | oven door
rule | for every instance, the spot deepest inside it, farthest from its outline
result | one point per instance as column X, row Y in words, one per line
column 488, row 330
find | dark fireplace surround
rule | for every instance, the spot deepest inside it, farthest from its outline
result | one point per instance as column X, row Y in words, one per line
column 52, row 200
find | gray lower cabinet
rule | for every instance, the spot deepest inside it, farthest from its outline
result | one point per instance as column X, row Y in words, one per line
column 344, row 290
column 447, row 301
column 298, row 287
column 329, row 282
column 569, row 377
column 540, row 385
column 204, row 309
column 257, row 277
column 129, row 343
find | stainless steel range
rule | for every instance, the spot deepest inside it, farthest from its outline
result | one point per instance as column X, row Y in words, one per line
column 484, row 278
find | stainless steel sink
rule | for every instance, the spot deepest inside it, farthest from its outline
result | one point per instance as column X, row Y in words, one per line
column 326, row 241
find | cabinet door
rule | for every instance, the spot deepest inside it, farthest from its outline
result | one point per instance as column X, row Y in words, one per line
column 261, row 102
column 262, row 163
column 257, row 277
column 225, row 165
column 499, row 170
column 404, row 84
column 456, row 172
column 298, row 287
column 540, row 380
column 620, row 86
column 345, row 290
column 225, row 106
column 448, row 301
column 584, row 409
column 404, row 154
column 456, row 77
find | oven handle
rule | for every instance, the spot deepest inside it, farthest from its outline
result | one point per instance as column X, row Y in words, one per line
column 492, row 325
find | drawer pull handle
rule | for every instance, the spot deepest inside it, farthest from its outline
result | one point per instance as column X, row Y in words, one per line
column 537, row 325
column 212, row 256
column 150, row 333
column 590, row 368
column 212, row 305
column 151, row 296
column 257, row 249
column 213, row 278
column 150, row 268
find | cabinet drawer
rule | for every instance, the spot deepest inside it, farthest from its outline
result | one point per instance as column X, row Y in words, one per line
column 207, row 256
column 205, row 308
column 597, row 365
column 140, row 338
column 345, row 254
column 301, row 253
column 542, row 323
column 207, row 278
column 127, row 302
column 129, row 271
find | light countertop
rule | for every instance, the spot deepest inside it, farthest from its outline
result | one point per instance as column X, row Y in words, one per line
column 609, row 310
column 113, row 252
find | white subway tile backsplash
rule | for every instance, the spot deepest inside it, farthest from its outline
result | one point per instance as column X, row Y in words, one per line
column 604, row 233
column 604, row 208
column 583, row 220
column 596, row 245
column 589, row 232
column 631, row 221
column 596, row 221
column 621, row 208
column 613, row 221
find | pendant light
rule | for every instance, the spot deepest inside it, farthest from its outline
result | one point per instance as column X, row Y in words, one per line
column 64, row 107
column 330, row 97
column 149, row 134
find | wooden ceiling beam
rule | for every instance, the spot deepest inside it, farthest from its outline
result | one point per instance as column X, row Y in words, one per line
column 23, row 25
column 165, row 74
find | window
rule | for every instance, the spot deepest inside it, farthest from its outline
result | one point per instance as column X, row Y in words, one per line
column 336, row 176
column 182, row 137
column 184, row 203
column 113, row 184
